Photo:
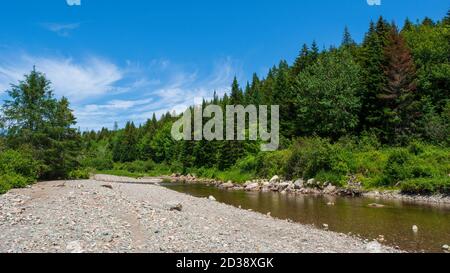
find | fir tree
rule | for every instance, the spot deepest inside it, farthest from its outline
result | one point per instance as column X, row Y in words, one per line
column 400, row 107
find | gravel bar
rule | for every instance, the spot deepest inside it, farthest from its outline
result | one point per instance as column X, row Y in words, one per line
column 103, row 217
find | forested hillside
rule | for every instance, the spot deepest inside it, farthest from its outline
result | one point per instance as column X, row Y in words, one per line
column 377, row 112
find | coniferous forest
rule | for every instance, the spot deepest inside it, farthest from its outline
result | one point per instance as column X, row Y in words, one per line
column 376, row 112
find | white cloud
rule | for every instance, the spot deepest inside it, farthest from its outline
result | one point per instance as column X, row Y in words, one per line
column 73, row 2
column 77, row 81
column 61, row 29
column 102, row 92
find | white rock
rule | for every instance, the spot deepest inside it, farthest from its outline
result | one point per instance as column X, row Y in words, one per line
column 445, row 247
column 275, row 179
column 74, row 247
column 212, row 198
column 415, row 229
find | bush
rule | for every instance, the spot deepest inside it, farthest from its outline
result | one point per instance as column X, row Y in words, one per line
column 21, row 163
column 426, row 186
column 309, row 157
column 98, row 163
column 80, row 174
column 247, row 164
column 271, row 164
column 12, row 180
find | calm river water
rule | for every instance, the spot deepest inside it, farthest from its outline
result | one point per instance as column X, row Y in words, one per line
column 348, row 215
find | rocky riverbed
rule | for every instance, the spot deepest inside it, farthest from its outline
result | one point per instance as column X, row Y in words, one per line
column 101, row 216
column 311, row 186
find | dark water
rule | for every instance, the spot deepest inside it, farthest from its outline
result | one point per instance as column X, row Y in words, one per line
column 348, row 215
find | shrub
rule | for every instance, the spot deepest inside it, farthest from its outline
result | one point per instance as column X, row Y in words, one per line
column 273, row 163
column 98, row 163
column 426, row 186
column 21, row 163
column 247, row 164
column 12, row 180
column 80, row 174
column 396, row 168
column 309, row 157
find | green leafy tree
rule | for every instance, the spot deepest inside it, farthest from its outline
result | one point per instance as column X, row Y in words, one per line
column 328, row 102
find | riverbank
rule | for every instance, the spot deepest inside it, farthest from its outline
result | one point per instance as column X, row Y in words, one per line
column 310, row 187
column 99, row 216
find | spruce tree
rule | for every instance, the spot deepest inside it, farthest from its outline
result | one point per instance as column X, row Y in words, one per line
column 347, row 40
column 398, row 97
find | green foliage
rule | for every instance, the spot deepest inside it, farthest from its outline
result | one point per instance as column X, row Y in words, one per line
column 426, row 186
column 271, row 164
column 12, row 180
column 136, row 166
column 328, row 104
column 20, row 163
column 80, row 174
column 33, row 117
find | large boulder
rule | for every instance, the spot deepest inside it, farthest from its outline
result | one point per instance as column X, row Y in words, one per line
column 252, row 187
column 311, row 182
column 298, row 184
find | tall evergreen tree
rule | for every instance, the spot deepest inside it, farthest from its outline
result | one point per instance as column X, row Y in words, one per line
column 33, row 117
column 347, row 40
column 399, row 100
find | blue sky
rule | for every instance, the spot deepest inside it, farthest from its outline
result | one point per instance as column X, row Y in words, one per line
column 123, row 60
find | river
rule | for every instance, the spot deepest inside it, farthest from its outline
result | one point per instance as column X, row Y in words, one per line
column 347, row 215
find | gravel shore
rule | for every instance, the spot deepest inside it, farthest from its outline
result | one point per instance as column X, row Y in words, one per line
column 99, row 216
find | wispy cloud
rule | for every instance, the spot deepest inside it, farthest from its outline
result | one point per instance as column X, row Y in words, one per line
column 63, row 30
column 102, row 92
column 73, row 2
column 78, row 81
column 179, row 90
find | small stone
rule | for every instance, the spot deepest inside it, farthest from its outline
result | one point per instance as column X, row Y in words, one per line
column 445, row 247
column 74, row 247
column 175, row 206
column 415, row 229
column 325, row 226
